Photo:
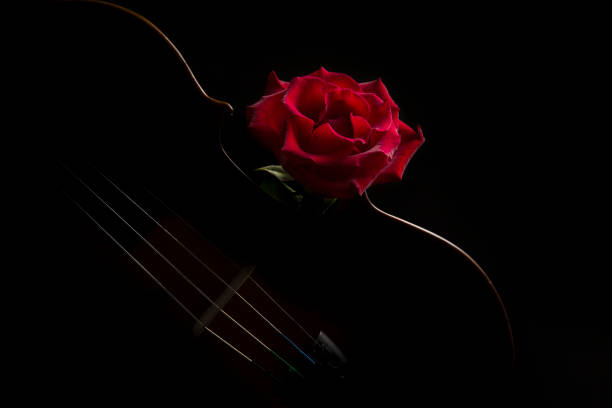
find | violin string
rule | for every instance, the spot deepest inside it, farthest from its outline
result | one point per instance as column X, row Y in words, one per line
column 462, row 253
column 208, row 268
column 281, row 308
column 213, row 100
column 161, row 285
column 204, row 94
column 186, row 278
column 188, row 225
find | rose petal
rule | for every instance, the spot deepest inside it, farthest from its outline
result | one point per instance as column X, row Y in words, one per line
column 381, row 116
column 337, row 78
column 371, row 98
column 387, row 141
column 411, row 141
column 369, row 163
column 395, row 116
column 306, row 96
column 361, row 128
column 382, row 113
column 378, row 88
column 326, row 140
column 342, row 102
column 343, row 126
column 274, row 84
column 266, row 121
column 299, row 132
column 330, row 175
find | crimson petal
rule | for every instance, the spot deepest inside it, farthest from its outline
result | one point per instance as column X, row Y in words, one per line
column 378, row 88
column 411, row 141
column 361, row 128
column 306, row 96
column 342, row 102
column 337, row 78
column 274, row 84
column 327, row 174
column 326, row 140
column 266, row 120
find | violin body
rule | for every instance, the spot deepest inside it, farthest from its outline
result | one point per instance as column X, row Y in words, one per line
column 412, row 318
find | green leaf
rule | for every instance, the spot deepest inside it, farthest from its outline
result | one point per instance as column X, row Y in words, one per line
column 327, row 204
column 281, row 186
column 280, row 191
column 278, row 172
column 276, row 182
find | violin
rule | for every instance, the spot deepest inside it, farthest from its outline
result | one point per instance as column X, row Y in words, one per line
column 181, row 280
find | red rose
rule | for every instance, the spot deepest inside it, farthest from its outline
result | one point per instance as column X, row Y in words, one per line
column 335, row 136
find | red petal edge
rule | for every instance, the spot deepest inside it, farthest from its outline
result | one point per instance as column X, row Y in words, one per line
column 411, row 141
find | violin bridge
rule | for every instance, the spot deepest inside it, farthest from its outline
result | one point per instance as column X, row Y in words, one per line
column 209, row 314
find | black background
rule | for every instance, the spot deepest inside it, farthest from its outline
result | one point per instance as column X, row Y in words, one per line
column 512, row 169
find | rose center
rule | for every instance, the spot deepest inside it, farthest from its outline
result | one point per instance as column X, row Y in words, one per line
column 342, row 125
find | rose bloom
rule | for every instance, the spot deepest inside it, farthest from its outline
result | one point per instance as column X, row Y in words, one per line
column 335, row 136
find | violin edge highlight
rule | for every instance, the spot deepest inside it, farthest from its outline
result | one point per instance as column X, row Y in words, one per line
column 465, row 255
column 223, row 104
